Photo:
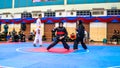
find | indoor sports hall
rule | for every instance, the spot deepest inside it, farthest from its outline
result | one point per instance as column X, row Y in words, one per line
column 60, row 34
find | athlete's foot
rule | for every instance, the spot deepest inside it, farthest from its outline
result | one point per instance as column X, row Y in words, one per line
column 34, row 45
column 87, row 50
column 75, row 49
column 68, row 49
column 47, row 50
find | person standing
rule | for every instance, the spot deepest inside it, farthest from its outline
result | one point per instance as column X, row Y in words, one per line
column 38, row 34
column 61, row 34
column 6, row 30
column 80, row 36
column 13, row 34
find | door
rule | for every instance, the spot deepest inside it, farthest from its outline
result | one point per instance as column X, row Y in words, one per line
column 47, row 31
column 98, row 31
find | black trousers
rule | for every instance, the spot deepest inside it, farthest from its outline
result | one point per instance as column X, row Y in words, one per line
column 56, row 41
column 76, row 42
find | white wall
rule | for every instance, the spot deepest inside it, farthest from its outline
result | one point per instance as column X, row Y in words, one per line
column 63, row 14
column 66, row 7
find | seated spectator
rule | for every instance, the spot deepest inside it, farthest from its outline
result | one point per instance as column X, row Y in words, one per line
column 13, row 34
column 68, row 39
column 20, row 31
column 16, row 38
column 72, row 37
column 0, row 36
column 3, row 37
column 44, row 38
column 31, row 36
column 115, row 36
column 9, row 36
column 22, row 36
column 33, row 32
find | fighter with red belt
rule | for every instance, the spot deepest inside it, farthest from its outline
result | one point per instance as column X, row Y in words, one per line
column 61, row 34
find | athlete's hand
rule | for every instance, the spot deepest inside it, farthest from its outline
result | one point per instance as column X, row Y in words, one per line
column 61, row 37
column 55, row 28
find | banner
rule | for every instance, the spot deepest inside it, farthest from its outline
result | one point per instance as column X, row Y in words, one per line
column 42, row 0
column 36, row 0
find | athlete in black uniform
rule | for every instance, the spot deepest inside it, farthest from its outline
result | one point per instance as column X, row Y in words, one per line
column 80, row 36
column 61, row 34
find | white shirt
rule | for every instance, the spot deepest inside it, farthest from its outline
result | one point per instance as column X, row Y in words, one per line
column 38, row 22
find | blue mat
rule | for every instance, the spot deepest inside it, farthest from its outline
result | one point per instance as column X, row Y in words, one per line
column 98, row 57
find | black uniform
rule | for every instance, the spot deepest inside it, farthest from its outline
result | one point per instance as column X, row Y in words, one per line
column 79, row 37
column 53, row 34
column 60, row 31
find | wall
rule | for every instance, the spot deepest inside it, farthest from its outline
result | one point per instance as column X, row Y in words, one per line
column 4, row 4
column 11, row 26
column 90, row 1
column 47, row 31
column 66, row 7
column 27, row 31
column 29, row 3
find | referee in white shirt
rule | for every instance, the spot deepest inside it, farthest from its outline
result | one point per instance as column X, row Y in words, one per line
column 38, row 32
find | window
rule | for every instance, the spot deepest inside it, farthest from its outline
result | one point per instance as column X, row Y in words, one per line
column 26, row 15
column 35, row 14
column 49, row 14
column 98, row 12
column 83, row 13
column 113, row 12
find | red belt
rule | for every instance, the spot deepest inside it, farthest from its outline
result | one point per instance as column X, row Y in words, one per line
column 60, row 33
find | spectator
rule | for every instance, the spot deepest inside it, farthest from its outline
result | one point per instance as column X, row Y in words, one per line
column 13, row 35
column 22, row 36
column 9, row 36
column 72, row 37
column 43, row 37
column 20, row 31
column 31, row 36
column 2, row 36
column 16, row 38
column 6, row 30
